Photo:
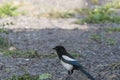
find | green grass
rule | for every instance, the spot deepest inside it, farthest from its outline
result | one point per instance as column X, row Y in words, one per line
column 66, row 14
column 97, row 38
column 23, row 54
column 32, row 54
column 76, row 55
column 30, row 77
column 111, row 29
column 3, row 30
column 115, row 65
column 111, row 41
column 26, row 54
column 99, row 15
column 83, row 11
column 8, row 9
column 44, row 76
column 3, row 43
column 114, row 4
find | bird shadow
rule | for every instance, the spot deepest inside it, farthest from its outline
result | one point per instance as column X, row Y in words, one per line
column 75, row 76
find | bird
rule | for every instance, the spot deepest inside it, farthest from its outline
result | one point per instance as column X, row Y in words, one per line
column 69, row 62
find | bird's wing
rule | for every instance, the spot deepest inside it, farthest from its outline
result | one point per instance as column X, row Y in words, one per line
column 70, row 60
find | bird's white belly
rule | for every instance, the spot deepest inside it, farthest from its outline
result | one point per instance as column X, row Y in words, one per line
column 67, row 66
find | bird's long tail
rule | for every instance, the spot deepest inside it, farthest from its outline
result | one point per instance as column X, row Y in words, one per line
column 87, row 74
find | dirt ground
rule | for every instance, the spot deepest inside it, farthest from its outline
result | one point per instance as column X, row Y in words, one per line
column 42, row 34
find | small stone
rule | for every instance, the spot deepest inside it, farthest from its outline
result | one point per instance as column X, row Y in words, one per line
column 27, row 59
column 12, row 48
column 62, row 40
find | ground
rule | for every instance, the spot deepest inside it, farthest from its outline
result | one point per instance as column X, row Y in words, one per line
column 42, row 34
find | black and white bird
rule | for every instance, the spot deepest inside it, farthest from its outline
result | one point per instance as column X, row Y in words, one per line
column 69, row 62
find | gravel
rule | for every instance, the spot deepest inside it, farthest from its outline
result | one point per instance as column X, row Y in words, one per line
column 42, row 34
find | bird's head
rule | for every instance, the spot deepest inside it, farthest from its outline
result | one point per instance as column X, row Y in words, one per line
column 59, row 49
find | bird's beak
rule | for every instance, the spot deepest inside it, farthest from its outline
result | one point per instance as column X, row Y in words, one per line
column 54, row 48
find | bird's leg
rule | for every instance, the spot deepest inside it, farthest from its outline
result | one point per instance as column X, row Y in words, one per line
column 70, row 72
column 69, row 75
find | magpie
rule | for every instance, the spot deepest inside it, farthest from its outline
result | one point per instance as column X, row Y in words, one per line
column 69, row 62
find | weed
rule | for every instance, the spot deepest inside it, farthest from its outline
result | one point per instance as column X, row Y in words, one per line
column 31, row 54
column 76, row 55
column 80, row 21
column 115, row 4
column 44, row 76
column 24, row 54
column 111, row 29
column 111, row 41
column 7, row 70
column 98, row 15
column 102, row 14
column 24, row 77
column 96, row 37
column 83, row 11
column 30, row 77
column 3, row 43
column 47, row 55
column 3, row 30
column 66, row 14
column 115, row 65
column 8, row 9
